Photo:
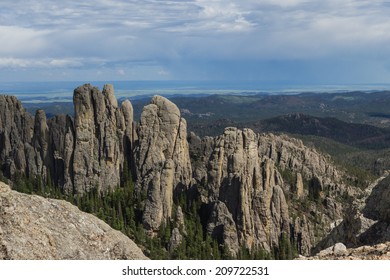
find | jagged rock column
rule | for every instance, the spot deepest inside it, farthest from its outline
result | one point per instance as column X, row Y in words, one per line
column 99, row 130
column 162, row 159
column 16, row 131
column 130, row 135
column 248, row 206
column 61, row 129
column 41, row 145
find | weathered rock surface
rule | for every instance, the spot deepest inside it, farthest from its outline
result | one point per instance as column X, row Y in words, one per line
column 250, row 206
column 378, row 203
column 80, row 154
column 376, row 252
column 16, row 132
column 299, row 191
column 162, row 159
column 175, row 240
column 32, row 227
column 339, row 249
column 241, row 170
column 130, row 135
column 99, row 132
column 62, row 142
column 222, row 227
column 365, row 219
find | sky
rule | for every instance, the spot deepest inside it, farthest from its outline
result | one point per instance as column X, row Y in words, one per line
column 270, row 41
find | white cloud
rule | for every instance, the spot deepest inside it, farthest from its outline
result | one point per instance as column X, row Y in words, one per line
column 19, row 40
column 163, row 73
column 39, row 63
column 9, row 62
column 65, row 63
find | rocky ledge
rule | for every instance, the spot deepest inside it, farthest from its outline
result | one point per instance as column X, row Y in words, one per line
column 379, row 251
column 32, row 227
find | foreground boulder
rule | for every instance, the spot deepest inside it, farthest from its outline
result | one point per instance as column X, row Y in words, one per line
column 32, row 227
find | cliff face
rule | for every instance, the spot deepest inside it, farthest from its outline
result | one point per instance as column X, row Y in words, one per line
column 99, row 138
column 254, row 188
column 32, row 227
column 242, row 184
column 62, row 143
column 368, row 221
column 80, row 154
column 16, row 132
column 162, row 159
column 239, row 176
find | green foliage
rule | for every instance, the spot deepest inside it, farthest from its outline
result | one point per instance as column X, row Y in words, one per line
column 253, row 254
column 2, row 178
column 197, row 243
column 288, row 176
column 314, row 192
column 35, row 185
column 358, row 164
column 286, row 249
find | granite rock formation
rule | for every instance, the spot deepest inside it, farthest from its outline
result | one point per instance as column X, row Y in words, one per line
column 365, row 220
column 99, row 137
column 162, row 159
column 77, row 154
column 16, row 133
column 242, row 177
column 62, row 142
column 32, row 227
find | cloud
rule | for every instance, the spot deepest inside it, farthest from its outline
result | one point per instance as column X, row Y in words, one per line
column 11, row 62
column 163, row 73
column 65, row 63
column 19, row 40
column 172, row 34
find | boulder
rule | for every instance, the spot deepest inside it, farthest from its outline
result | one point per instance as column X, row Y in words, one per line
column 35, row 228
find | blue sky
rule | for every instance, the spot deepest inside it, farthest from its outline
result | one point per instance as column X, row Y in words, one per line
column 291, row 41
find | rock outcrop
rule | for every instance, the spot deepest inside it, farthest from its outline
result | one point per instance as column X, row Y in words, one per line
column 62, row 143
column 245, row 188
column 77, row 154
column 244, row 177
column 32, row 227
column 340, row 252
column 365, row 220
column 377, row 205
column 99, row 137
column 16, row 132
column 162, row 159
column 299, row 186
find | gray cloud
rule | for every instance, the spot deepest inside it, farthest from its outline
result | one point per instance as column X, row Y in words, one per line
column 164, row 36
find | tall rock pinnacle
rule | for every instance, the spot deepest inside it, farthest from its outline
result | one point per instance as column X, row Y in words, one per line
column 162, row 156
column 99, row 130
